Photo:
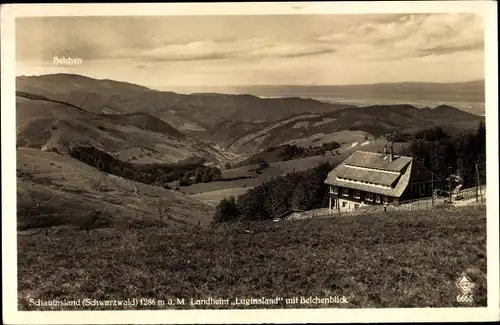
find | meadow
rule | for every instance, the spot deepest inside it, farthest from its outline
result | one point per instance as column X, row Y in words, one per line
column 400, row 259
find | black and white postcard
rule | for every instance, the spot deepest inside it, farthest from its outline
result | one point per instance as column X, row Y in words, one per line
column 250, row 162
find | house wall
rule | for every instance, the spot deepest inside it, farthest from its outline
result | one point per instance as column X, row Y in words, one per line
column 352, row 202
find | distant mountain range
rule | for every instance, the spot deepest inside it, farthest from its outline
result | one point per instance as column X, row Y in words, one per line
column 468, row 96
column 471, row 91
column 240, row 123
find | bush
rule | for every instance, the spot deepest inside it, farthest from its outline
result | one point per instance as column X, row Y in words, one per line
column 262, row 163
column 227, row 210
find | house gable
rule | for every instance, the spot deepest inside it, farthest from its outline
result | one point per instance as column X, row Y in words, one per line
column 422, row 183
column 419, row 173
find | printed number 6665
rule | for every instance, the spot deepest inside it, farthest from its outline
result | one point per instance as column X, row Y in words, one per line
column 464, row 298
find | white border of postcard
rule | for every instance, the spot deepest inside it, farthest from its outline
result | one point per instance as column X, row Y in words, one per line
column 486, row 9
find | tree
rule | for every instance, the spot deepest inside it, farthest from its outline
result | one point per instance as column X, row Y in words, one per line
column 481, row 141
column 262, row 163
column 198, row 173
column 227, row 210
column 216, row 174
column 184, row 180
column 299, row 196
column 438, row 151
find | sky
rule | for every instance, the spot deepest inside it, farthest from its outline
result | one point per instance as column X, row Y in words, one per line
column 184, row 51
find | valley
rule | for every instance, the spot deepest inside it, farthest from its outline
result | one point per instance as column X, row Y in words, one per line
column 142, row 128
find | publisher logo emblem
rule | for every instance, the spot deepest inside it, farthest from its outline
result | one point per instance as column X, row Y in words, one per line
column 465, row 284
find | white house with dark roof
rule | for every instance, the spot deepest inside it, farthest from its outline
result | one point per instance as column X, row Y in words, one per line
column 368, row 178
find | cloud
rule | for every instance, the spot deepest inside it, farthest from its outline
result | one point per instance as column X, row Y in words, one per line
column 415, row 35
column 193, row 51
column 442, row 50
column 255, row 48
column 293, row 50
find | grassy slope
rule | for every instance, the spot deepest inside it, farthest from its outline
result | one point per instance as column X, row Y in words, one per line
column 345, row 137
column 214, row 197
column 399, row 259
column 139, row 138
column 70, row 190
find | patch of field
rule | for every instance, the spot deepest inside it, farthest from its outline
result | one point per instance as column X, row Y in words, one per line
column 190, row 127
column 199, row 188
column 341, row 137
column 299, row 125
column 214, row 197
column 390, row 260
column 326, row 120
column 377, row 145
column 244, row 171
column 285, row 167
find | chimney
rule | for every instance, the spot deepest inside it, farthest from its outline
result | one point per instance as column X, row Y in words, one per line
column 392, row 152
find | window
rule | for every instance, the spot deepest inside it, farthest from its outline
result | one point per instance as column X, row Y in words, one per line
column 377, row 199
column 345, row 192
column 357, row 195
column 334, row 190
column 369, row 197
column 344, row 204
column 386, row 200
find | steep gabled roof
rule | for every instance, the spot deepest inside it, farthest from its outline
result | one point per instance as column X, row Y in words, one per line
column 374, row 160
column 373, row 172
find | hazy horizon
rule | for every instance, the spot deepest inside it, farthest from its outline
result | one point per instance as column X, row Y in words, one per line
column 164, row 88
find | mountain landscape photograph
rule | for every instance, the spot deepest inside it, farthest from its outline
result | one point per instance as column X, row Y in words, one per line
column 250, row 161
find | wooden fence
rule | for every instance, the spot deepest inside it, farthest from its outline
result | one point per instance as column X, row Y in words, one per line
column 471, row 193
